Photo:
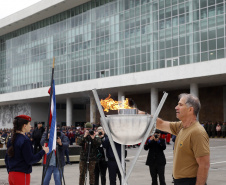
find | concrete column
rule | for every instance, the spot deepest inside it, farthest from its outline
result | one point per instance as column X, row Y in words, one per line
column 92, row 110
column 194, row 90
column 154, row 100
column 69, row 112
column 120, row 95
column 224, row 102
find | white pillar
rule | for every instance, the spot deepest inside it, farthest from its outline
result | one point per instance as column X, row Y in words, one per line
column 69, row 112
column 92, row 110
column 224, row 102
column 194, row 90
column 154, row 100
column 120, row 95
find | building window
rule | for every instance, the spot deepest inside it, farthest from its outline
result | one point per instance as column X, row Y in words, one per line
column 104, row 73
column 170, row 62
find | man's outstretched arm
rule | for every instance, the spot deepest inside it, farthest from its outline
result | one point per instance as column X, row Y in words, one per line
column 163, row 125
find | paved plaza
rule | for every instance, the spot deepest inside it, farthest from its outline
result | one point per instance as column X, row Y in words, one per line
column 140, row 175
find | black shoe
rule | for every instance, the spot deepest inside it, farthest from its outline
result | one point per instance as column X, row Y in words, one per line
column 68, row 163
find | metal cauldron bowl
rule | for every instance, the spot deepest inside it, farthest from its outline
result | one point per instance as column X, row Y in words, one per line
column 129, row 129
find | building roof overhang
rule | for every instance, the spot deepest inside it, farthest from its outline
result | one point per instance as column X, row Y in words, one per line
column 35, row 13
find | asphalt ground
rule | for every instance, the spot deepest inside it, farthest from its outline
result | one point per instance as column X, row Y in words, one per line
column 140, row 174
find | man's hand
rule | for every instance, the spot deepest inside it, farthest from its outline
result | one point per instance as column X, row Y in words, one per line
column 46, row 149
column 163, row 125
column 93, row 136
column 86, row 133
column 102, row 135
column 156, row 139
column 59, row 141
column 151, row 138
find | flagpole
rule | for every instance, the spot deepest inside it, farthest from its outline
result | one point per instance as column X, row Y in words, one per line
column 50, row 99
column 49, row 121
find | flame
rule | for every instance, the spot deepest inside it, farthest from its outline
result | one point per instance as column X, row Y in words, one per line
column 110, row 104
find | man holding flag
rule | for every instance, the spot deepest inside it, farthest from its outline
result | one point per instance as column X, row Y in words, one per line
column 58, row 143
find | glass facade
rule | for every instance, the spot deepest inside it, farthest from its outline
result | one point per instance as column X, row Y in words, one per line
column 104, row 38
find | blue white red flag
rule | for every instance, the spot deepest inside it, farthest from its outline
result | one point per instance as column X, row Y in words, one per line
column 52, row 135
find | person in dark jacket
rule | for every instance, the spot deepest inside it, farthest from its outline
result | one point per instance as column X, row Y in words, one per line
column 156, row 158
column 53, row 168
column 20, row 157
column 112, row 164
column 101, row 164
column 36, row 137
column 213, row 129
column 88, row 155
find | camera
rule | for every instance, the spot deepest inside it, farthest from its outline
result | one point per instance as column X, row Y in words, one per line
column 156, row 136
column 100, row 133
column 91, row 132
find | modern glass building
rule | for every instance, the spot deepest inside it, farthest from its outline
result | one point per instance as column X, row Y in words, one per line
column 113, row 38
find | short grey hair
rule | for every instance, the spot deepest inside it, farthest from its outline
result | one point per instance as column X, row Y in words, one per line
column 191, row 101
column 100, row 128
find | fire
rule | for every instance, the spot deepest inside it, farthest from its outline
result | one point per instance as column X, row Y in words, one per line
column 110, row 104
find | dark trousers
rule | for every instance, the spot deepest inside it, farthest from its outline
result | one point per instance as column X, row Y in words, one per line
column 213, row 134
column 37, row 146
column 100, row 170
column 71, row 141
column 157, row 170
column 185, row 181
column 209, row 133
column 223, row 134
column 66, row 152
column 113, row 171
column 218, row 133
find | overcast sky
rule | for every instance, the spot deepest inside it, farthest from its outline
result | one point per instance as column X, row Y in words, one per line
column 8, row 7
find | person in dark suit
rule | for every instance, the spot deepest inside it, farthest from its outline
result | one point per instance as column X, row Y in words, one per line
column 101, row 164
column 156, row 158
column 111, row 163
column 36, row 137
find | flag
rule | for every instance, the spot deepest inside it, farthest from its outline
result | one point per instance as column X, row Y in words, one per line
column 52, row 135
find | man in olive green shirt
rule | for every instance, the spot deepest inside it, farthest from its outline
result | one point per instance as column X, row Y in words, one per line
column 191, row 151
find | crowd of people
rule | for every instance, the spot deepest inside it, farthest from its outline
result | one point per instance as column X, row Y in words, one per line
column 215, row 129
